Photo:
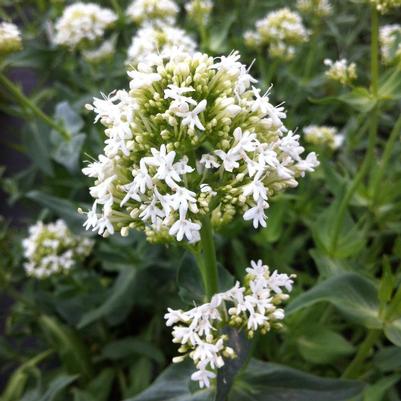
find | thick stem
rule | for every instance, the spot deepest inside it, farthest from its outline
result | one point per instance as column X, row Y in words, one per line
column 28, row 104
column 354, row 368
column 207, row 262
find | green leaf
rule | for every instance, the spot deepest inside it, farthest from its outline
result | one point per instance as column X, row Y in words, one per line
column 320, row 345
column 359, row 99
column 98, row 389
column 174, row 385
column 118, row 303
column 189, row 280
column 67, row 343
column 71, row 120
column 17, row 381
column 388, row 359
column 392, row 331
column 272, row 382
column 238, row 341
column 261, row 381
column 131, row 346
column 217, row 42
column 61, row 207
column 354, row 295
column 37, row 144
column 58, row 384
column 68, row 153
column 378, row 390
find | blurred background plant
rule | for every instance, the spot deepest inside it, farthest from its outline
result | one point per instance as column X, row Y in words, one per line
column 97, row 333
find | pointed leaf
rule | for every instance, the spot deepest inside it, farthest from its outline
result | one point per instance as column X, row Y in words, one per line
column 354, row 295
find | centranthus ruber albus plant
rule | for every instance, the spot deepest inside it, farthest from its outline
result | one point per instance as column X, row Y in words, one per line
column 192, row 145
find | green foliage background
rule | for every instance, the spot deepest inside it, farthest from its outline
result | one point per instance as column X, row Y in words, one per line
column 98, row 334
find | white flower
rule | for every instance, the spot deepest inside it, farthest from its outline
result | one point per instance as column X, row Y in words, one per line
column 341, row 71
column 185, row 228
column 203, row 376
column 153, row 43
column 52, row 248
column 323, row 135
column 152, row 11
column 282, row 30
column 10, row 38
column 209, row 161
column 318, row 8
column 257, row 214
column 199, row 329
column 82, row 22
column 390, row 44
column 191, row 118
column 192, row 137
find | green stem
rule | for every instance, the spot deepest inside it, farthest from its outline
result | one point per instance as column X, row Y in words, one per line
column 207, row 260
column 28, row 104
column 354, row 368
column 373, row 128
column 374, row 51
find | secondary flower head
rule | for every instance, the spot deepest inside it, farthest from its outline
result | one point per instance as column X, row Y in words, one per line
column 82, row 23
column 318, row 8
column 384, row 6
column 323, row 135
column 283, row 31
column 253, row 307
column 103, row 52
column 10, row 38
column 157, row 11
column 192, row 137
column 341, row 71
column 199, row 10
column 154, row 41
column 53, row 249
column 390, row 42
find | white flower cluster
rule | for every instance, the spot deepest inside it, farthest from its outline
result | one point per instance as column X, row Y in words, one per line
column 191, row 138
column 281, row 30
column 341, row 71
column 384, row 6
column 161, row 41
column 82, row 23
column 10, row 38
column 155, row 11
column 318, row 8
column 103, row 52
column 252, row 307
column 52, row 249
column 390, row 42
column 199, row 11
column 323, row 135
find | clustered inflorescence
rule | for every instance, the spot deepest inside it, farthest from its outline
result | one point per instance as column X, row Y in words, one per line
column 384, row 6
column 341, row 71
column 323, row 135
column 10, row 38
column 252, row 307
column 199, row 11
column 52, row 249
column 158, row 41
column 153, row 11
column 192, row 137
column 82, row 24
column 281, row 30
column 390, row 42
column 318, row 8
